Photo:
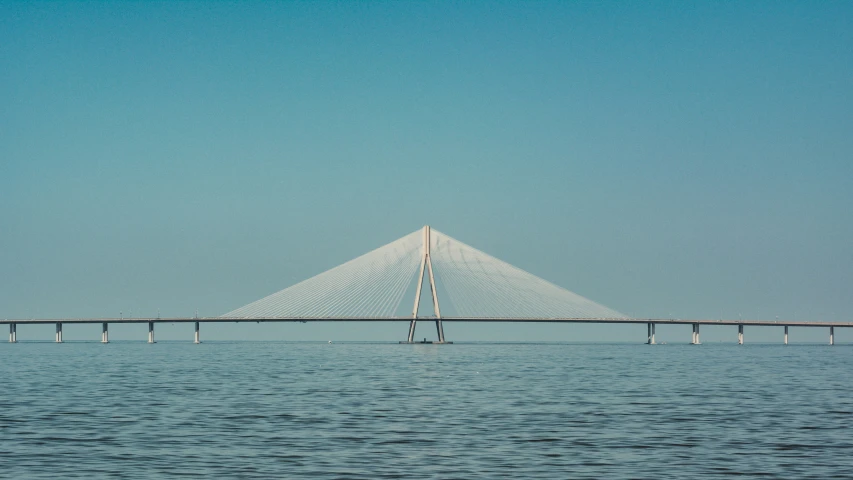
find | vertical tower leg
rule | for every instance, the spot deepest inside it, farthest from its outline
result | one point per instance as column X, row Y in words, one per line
column 413, row 323
column 740, row 334
column 786, row 334
column 693, row 335
column 650, row 327
column 832, row 335
column 411, row 337
column 197, row 340
column 13, row 333
column 105, row 333
column 150, row 332
column 698, row 341
column 439, row 327
column 58, row 332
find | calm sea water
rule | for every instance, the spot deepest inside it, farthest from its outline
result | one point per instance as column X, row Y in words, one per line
column 312, row 410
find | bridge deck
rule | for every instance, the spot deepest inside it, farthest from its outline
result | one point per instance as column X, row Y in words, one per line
column 659, row 321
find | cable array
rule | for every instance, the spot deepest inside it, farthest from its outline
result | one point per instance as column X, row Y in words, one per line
column 373, row 285
column 481, row 286
column 370, row 286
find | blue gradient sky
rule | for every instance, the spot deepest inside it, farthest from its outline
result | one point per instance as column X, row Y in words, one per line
column 692, row 159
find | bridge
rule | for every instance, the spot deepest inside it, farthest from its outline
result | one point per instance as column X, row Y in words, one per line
column 474, row 287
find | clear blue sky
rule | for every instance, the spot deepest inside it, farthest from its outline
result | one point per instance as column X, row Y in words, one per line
column 684, row 158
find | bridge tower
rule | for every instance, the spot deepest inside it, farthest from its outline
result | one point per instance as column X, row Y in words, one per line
column 426, row 264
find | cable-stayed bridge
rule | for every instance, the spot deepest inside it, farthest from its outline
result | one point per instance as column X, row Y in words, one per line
column 471, row 285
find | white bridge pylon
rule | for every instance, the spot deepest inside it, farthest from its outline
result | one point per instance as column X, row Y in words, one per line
column 426, row 262
column 474, row 285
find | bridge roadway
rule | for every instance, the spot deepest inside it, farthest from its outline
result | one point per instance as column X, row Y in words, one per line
column 668, row 321
column 650, row 322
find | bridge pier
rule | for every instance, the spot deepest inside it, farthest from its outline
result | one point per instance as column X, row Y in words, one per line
column 58, row 332
column 105, row 333
column 786, row 334
column 832, row 335
column 651, row 330
column 740, row 334
column 196, row 334
column 695, row 340
column 13, row 333
column 150, row 332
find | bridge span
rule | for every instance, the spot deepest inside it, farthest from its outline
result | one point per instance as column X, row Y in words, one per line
column 476, row 286
column 651, row 324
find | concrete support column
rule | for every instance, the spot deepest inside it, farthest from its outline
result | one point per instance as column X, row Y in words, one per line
column 832, row 335
column 58, row 332
column 786, row 334
column 695, row 340
column 651, row 331
column 150, row 332
column 13, row 333
column 740, row 334
column 105, row 333
column 196, row 333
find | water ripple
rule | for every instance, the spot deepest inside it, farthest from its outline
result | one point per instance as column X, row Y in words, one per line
column 368, row 411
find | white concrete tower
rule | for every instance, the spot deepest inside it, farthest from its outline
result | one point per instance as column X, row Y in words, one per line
column 426, row 264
